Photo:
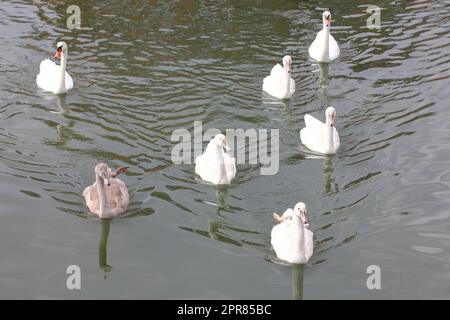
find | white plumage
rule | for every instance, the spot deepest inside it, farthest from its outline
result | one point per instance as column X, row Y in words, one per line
column 324, row 47
column 52, row 77
column 279, row 83
column 216, row 165
column 290, row 238
column 321, row 137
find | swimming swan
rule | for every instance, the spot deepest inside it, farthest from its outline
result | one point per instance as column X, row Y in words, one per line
column 321, row 137
column 216, row 165
column 108, row 196
column 324, row 48
column 53, row 77
column 291, row 239
column 279, row 83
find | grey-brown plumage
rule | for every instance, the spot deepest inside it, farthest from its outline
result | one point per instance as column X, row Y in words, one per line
column 108, row 196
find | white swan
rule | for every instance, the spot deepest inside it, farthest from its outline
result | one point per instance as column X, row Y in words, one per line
column 279, row 83
column 291, row 239
column 321, row 137
column 216, row 165
column 324, row 48
column 108, row 196
column 53, row 77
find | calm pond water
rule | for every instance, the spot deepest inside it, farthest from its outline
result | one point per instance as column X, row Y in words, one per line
column 142, row 70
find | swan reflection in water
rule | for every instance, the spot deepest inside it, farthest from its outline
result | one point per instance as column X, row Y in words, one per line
column 221, row 192
column 63, row 111
column 216, row 231
column 63, row 128
column 324, row 80
column 297, row 281
column 61, row 104
column 329, row 180
column 273, row 105
column 102, row 247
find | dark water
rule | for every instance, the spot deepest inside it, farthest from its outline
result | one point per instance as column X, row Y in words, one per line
column 142, row 70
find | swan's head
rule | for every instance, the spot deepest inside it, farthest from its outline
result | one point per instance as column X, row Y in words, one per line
column 61, row 47
column 300, row 212
column 326, row 16
column 104, row 172
column 287, row 63
column 330, row 115
column 221, row 141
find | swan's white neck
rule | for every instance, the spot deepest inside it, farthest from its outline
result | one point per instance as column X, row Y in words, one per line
column 287, row 83
column 62, row 73
column 326, row 42
column 299, row 236
column 329, row 136
column 216, row 153
column 220, row 160
column 102, row 198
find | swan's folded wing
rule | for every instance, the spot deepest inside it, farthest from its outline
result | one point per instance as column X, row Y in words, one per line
column 48, row 76
column 69, row 81
column 90, row 195
column 203, row 157
column 309, row 243
column 118, row 197
column 314, row 47
column 44, row 79
column 205, row 168
column 320, row 35
column 292, row 89
column 333, row 48
column 230, row 164
column 277, row 71
column 281, row 240
column 274, row 83
column 200, row 162
column 336, row 137
column 48, row 66
column 288, row 213
column 313, row 124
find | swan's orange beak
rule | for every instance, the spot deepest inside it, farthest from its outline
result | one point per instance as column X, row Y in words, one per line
column 57, row 53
